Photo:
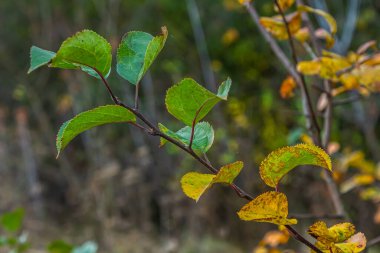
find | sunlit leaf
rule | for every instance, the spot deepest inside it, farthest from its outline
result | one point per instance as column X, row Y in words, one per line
column 337, row 233
column 329, row 19
column 89, row 119
column 355, row 244
column 302, row 35
column 194, row 184
column 325, row 35
column 284, row 4
column 39, row 57
column 136, row 53
column 86, row 50
column 356, row 181
column 277, row 28
column 202, row 140
column 228, row 173
column 309, row 67
column 189, row 101
column 269, row 207
column 278, row 163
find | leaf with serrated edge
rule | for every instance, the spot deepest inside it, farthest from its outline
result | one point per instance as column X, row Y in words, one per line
column 228, row 173
column 39, row 57
column 278, row 163
column 194, row 184
column 188, row 99
column 334, row 234
column 355, row 244
column 86, row 50
column 89, row 119
column 271, row 207
column 202, row 140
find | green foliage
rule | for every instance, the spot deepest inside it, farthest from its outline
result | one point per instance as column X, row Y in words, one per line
column 202, row 140
column 188, row 101
column 136, row 53
column 86, row 50
column 12, row 221
column 59, row 246
column 39, row 57
column 89, row 119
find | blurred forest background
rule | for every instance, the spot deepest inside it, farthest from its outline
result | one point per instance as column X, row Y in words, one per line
column 113, row 185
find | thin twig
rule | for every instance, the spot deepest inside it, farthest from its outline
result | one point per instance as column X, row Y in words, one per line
column 137, row 96
column 312, row 122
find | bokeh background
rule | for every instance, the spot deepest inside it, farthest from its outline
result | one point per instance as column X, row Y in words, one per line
column 113, row 185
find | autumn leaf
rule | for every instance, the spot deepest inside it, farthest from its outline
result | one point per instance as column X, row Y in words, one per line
column 194, row 184
column 271, row 207
column 277, row 28
column 278, row 163
column 329, row 19
column 287, row 87
column 284, row 4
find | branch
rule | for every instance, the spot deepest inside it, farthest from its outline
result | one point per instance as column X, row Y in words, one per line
column 312, row 121
column 154, row 131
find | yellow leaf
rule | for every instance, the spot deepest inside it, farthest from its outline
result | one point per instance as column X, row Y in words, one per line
column 302, row 35
column 278, row 163
column 230, row 36
column 269, row 207
column 287, row 87
column 277, row 28
column 194, row 184
column 323, row 34
column 329, row 19
column 228, row 173
column 355, row 181
column 284, row 4
column 355, row 244
column 244, row 1
column 309, row 67
column 275, row 238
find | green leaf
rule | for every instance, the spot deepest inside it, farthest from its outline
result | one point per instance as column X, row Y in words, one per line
column 12, row 221
column 86, row 50
column 203, row 136
column 269, row 207
column 39, row 57
column 224, row 89
column 59, row 246
column 89, row 119
column 136, row 53
column 278, row 163
column 188, row 101
column 194, row 184
column 87, row 247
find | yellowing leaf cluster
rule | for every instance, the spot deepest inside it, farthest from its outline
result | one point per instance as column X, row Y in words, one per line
column 354, row 71
column 339, row 238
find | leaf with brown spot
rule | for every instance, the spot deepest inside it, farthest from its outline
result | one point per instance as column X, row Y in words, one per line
column 278, row 163
column 271, row 207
